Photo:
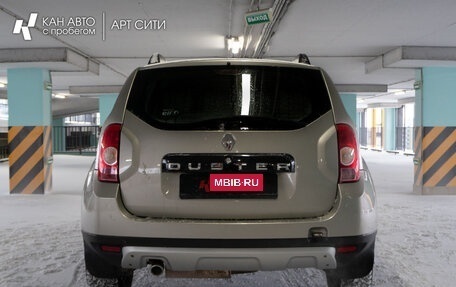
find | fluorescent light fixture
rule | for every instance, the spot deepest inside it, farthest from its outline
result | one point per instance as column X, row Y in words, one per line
column 399, row 93
column 245, row 108
column 2, row 85
column 235, row 44
column 59, row 96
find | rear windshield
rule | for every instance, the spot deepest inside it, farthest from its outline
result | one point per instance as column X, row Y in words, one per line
column 229, row 97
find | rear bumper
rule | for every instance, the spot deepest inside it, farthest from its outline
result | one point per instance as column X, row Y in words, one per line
column 233, row 254
column 191, row 259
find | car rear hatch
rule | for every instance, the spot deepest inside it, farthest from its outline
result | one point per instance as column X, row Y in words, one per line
column 231, row 141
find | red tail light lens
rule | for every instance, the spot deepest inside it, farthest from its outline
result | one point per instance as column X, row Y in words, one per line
column 108, row 154
column 111, row 248
column 346, row 249
column 348, row 154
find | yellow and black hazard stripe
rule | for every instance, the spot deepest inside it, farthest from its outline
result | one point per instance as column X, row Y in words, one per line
column 30, row 147
column 439, row 156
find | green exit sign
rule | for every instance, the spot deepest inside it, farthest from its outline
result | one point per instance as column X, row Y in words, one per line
column 258, row 17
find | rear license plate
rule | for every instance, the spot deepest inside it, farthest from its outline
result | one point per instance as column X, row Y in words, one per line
column 234, row 182
column 233, row 185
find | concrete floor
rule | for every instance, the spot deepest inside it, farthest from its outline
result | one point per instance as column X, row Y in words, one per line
column 416, row 242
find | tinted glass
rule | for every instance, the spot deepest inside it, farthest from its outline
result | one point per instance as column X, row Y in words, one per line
column 229, row 97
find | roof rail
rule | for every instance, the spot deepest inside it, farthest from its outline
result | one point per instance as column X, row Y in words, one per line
column 156, row 58
column 302, row 58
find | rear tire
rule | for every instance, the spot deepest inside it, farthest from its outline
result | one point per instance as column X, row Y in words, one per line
column 335, row 281
column 125, row 279
column 353, row 269
column 97, row 265
column 93, row 281
column 101, row 273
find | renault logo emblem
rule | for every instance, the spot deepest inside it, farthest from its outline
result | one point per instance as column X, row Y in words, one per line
column 228, row 142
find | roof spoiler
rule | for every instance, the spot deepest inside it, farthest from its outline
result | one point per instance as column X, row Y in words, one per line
column 302, row 58
column 156, row 58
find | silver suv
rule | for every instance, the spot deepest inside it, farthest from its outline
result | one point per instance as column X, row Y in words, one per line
column 218, row 166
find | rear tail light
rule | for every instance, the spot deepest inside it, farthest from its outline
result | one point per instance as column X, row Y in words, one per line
column 346, row 249
column 348, row 154
column 111, row 248
column 108, row 154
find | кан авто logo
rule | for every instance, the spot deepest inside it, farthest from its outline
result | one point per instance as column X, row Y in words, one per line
column 24, row 29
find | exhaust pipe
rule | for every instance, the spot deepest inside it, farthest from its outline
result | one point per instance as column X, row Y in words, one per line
column 156, row 267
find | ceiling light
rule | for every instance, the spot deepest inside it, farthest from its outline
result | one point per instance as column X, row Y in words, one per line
column 235, row 44
column 2, row 85
column 399, row 93
column 59, row 96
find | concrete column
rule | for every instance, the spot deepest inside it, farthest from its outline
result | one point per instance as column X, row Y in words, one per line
column 29, row 131
column 106, row 103
column 435, row 131
column 390, row 129
column 349, row 101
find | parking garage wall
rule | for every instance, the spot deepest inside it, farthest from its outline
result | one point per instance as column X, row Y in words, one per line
column 76, row 134
column 387, row 129
column 75, row 139
column 3, row 145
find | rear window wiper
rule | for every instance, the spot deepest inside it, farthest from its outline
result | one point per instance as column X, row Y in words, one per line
column 255, row 123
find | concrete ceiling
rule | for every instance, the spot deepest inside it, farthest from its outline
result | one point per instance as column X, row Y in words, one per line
column 371, row 48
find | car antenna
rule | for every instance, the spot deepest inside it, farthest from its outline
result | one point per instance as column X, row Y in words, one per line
column 156, row 58
column 302, row 58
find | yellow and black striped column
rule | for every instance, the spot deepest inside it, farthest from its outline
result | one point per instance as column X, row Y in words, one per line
column 435, row 164
column 30, row 159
